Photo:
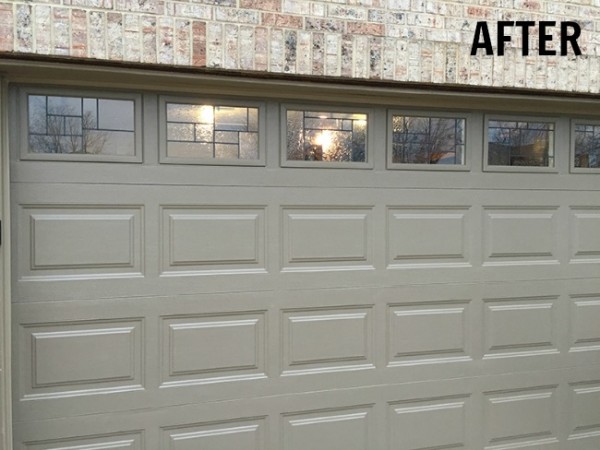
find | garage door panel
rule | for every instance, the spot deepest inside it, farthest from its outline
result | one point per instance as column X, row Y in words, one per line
column 584, row 236
column 80, row 241
column 585, row 317
column 326, row 237
column 410, row 340
column 57, row 361
column 343, row 429
column 244, row 241
column 527, row 415
column 188, row 344
column 523, row 234
column 436, row 423
column 428, row 236
column 521, row 326
column 129, row 441
column 520, row 411
column 242, row 434
column 327, row 339
column 200, row 240
column 297, row 341
column 584, row 414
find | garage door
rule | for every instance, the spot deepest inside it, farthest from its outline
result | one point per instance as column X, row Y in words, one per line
column 224, row 273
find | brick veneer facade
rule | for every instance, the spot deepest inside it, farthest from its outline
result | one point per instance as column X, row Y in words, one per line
column 403, row 40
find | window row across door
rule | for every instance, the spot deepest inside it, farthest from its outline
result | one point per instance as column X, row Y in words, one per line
column 75, row 125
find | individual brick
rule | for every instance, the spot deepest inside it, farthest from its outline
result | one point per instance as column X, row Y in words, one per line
column 291, row 43
column 261, row 49
column 266, row 5
column 79, row 33
column 369, row 29
column 199, row 44
column 149, row 39
column 246, row 47
column 165, row 40
column 304, row 53
column 43, row 29
column 132, row 37
column 282, row 20
column 6, row 27
column 114, row 37
column 61, row 36
column 24, row 29
column 97, row 34
column 183, row 45
column 231, row 48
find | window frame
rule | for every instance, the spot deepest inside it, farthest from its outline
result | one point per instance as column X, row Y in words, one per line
column 519, row 169
column 284, row 162
column 464, row 167
column 572, row 168
column 23, row 93
column 163, row 157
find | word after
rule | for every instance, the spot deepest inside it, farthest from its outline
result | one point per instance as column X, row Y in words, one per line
column 569, row 32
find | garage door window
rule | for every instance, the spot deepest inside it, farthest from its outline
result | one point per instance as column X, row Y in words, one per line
column 517, row 144
column 72, row 126
column 586, row 146
column 316, row 137
column 210, row 132
column 427, row 141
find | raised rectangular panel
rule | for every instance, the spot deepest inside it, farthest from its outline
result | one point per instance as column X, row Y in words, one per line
column 339, row 429
column 116, row 441
column 520, row 235
column 242, row 434
column 212, row 348
column 520, row 416
column 80, row 358
column 585, row 239
column 585, row 323
column 427, row 332
column 427, row 237
column 585, row 410
column 326, row 237
column 520, row 326
column 435, row 423
column 71, row 242
column 198, row 240
column 319, row 339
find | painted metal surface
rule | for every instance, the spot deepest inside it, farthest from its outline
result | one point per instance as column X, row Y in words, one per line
column 174, row 306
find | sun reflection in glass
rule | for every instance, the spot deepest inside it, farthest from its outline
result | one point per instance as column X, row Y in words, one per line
column 206, row 114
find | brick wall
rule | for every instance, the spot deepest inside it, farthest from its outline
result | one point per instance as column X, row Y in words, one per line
column 404, row 40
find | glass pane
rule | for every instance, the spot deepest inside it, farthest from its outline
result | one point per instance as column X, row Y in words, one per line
column 326, row 136
column 180, row 132
column 115, row 115
column 520, row 143
column 190, row 150
column 428, row 140
column 228, row 118
column 248, row 145
column 587, row 146
column 64, row 106
column 214, row 131
column 78, row 125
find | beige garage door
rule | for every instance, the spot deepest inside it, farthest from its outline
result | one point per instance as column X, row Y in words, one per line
column 233, row 274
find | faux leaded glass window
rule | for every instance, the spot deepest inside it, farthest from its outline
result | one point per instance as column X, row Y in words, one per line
column 81, row 127
column 430, row 140
column 586, row 145
column 325, row 136
column 211, row 132
column 520, row 143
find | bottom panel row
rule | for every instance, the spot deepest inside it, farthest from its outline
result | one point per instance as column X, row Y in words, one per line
column 519, row 413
